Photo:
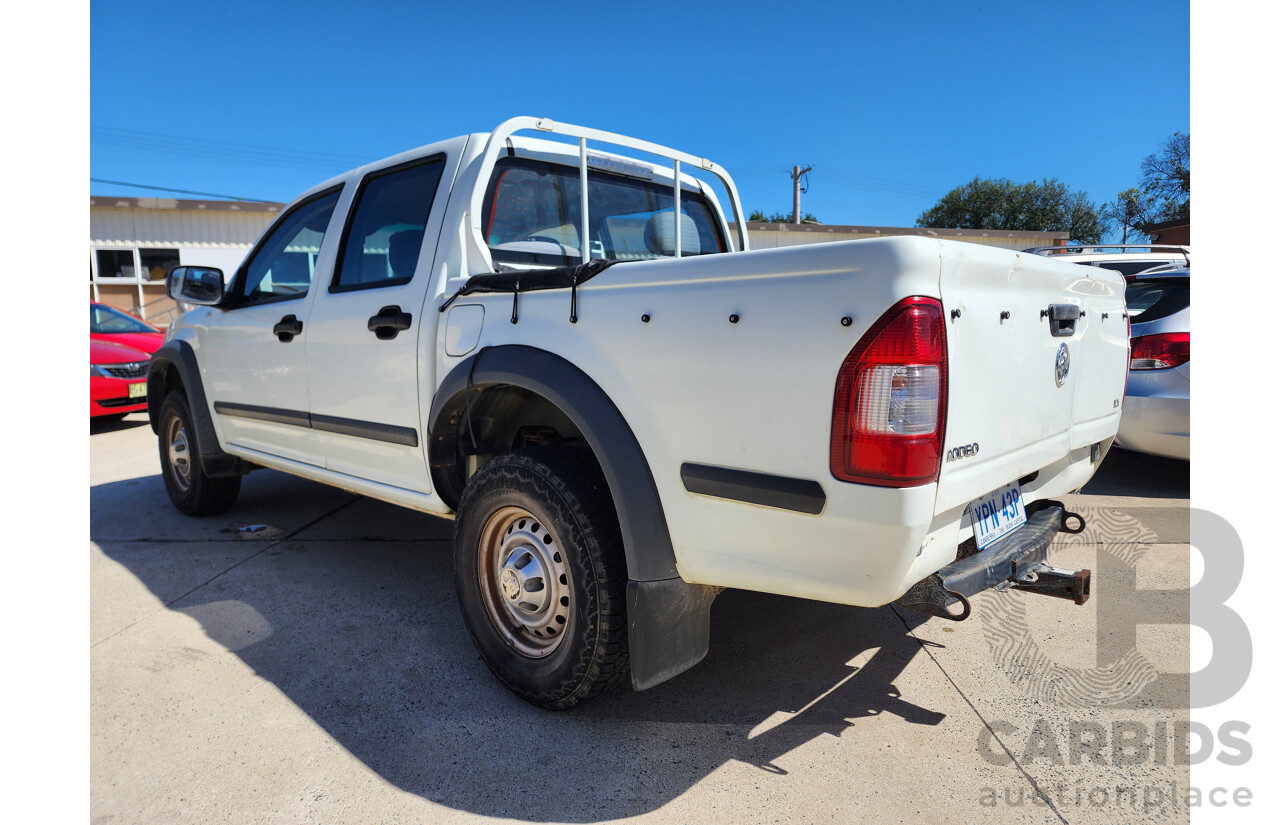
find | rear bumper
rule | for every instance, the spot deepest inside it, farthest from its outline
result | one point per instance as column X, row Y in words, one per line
column 1157, row 413
column 1156, row 425
column 1018, row 559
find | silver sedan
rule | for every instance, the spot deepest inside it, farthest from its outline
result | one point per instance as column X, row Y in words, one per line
column 1157, row 399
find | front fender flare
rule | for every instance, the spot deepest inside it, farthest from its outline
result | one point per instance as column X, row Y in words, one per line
column 178, row 355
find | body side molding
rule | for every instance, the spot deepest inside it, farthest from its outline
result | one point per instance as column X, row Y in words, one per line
column 372, row 430
column 798, row 494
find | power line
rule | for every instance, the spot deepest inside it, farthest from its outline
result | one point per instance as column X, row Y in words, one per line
column 181, row 191
column 229, row 145
column 883, row 186
column 223, row 150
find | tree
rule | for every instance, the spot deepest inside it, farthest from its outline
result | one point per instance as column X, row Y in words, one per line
column 778, row 217
column 1166, row 177
column 1131, row 211
column 1047, row 206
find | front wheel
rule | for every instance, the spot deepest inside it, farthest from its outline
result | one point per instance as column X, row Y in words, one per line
column 190, row 490
column 541, row 575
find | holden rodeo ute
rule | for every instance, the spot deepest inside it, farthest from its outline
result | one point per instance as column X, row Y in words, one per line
column 626, row 411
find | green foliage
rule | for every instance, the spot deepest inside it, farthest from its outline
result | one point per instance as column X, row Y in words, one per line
column 1047, row 206
column 1130, row 212
column 778, row 217
column 1166, row 178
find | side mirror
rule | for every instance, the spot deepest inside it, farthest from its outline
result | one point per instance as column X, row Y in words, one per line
column 195, row 285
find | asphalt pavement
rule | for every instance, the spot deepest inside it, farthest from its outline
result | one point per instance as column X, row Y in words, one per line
column 301, row 658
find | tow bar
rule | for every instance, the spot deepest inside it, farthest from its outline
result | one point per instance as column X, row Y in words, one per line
column 1017, row 560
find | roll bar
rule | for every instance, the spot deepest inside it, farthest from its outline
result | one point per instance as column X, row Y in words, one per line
column 497, row 143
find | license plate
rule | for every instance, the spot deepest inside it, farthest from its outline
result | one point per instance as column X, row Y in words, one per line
column 138, row 390
column 997, row 514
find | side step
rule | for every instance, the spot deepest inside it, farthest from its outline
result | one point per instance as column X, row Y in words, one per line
column 1017, row 560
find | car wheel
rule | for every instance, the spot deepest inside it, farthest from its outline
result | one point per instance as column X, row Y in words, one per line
column 190, row 490
column 541, row 575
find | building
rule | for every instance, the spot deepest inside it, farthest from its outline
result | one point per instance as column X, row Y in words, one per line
column 134, row 242
column 1175, row 232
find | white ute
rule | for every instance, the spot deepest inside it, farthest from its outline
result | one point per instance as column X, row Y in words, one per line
column 628, row 413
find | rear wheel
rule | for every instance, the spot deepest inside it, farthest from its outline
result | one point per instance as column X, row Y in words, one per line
column 190, row 490
column 541, row 576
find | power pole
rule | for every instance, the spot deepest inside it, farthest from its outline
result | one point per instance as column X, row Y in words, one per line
column 796, row 173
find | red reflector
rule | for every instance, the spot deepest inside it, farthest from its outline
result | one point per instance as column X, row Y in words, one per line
column 890, row 402
column 1161, row 351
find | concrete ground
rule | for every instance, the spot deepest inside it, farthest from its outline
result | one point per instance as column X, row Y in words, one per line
column 302, row 659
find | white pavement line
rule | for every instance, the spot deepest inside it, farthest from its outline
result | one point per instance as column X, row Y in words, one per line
column 222, row 573
column 981, row 718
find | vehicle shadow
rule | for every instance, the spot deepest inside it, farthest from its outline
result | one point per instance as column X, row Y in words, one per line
column 107, row 424
column 365, row 637
column 1126, row 473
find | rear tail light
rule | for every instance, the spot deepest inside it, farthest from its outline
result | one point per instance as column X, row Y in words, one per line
column 890, row 400
column 1161, row 351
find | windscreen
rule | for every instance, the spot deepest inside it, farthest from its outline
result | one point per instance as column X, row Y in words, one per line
column 533, row 214
column 104, row 320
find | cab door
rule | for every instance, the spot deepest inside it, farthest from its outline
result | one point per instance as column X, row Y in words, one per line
column 369, row 335
column 253, row 351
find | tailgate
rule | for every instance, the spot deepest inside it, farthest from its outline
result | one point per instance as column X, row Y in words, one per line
column 1007, row 411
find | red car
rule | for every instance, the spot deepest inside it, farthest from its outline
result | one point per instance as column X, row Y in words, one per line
column 107, row 323
column 117, row 379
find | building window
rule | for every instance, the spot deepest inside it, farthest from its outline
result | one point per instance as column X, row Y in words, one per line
column 116, row 263
column 156, row 263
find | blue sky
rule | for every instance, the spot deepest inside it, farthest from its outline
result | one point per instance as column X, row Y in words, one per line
column 892, row 104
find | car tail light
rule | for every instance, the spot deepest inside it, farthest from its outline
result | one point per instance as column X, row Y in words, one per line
column 1161, row 351
column 890, row 400
column 1128, row 336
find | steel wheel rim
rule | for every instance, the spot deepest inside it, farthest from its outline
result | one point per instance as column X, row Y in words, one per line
column 525, row 583
column 179, row 454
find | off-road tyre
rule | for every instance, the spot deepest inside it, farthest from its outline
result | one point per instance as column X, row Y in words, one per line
column 190, row 490
column 550, row 509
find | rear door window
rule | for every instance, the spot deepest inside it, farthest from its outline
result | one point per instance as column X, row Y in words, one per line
column 533, row 213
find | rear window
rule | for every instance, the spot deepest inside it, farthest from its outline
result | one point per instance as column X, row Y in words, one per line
column 1127, row 268
column 533, row 212
column 1151, row 299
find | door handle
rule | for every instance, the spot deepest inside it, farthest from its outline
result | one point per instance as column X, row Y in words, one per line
column 388, row 322
column 288, row 327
